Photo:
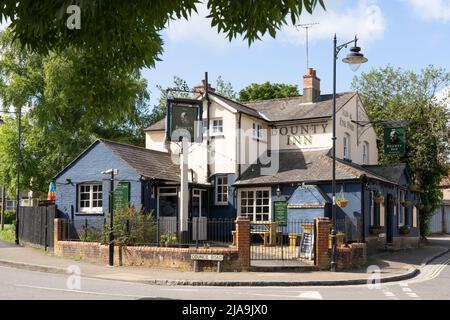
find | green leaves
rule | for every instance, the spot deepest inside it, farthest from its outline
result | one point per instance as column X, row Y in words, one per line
column 267, row 90
column 127, row 33
column 396, row 94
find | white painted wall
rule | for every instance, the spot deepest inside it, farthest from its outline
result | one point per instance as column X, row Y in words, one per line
column 241, row 146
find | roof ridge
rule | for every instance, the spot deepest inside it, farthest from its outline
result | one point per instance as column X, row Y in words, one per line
column 131, row 146
column 296, row 97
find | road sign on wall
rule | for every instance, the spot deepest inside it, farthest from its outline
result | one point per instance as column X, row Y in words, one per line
column 394, row 141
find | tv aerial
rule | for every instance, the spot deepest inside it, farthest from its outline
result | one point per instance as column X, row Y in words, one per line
column 306, row 26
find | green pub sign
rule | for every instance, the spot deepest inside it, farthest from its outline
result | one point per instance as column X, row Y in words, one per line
column 394, row 141
column 280, row 212
column 122, row 195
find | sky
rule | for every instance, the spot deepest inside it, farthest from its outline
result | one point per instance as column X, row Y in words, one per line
column 409, row 34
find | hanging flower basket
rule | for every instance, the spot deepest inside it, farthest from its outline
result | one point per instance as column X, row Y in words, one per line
column 378, row 198
column 414, row 187
column 404, row 230
column 420, row 205
column 342, row 203
column 376, row 230
column 427, row 208
column 406, row 203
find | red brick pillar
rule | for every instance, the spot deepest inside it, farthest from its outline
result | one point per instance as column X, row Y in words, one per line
column 243, row 241
column 323, row 258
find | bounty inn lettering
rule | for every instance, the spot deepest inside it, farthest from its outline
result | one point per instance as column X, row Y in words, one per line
column 302, row 134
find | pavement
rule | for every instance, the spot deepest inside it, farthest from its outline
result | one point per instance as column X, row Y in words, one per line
column 393, row 266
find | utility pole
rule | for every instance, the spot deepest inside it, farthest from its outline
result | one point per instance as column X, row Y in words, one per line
column 3, row 207
column 19, row 156
column 306, row 26
column 112, row 172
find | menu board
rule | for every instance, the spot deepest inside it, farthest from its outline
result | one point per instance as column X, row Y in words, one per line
column 280, row 212
column 307, row 245
column 122, row 195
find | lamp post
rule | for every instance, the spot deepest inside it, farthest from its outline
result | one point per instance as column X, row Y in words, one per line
column 112, row 172
column 19, row 138
column 354, row 59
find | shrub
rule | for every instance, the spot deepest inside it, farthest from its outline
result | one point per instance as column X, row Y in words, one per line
column 9, row 217
column 132, row 227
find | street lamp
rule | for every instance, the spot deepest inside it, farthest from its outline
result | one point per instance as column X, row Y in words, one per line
column 19, row 127
column 112, row 172
column 354, row 59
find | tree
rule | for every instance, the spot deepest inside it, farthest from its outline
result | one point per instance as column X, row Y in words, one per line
column 128, row 34
column 267, row 90
column 225, row 89
column 397, row 94
column 67, row 109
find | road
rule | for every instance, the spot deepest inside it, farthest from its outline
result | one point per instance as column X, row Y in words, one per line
column 432, row 283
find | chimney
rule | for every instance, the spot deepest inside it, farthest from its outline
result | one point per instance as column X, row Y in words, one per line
column 311, row 85
column 199, row 89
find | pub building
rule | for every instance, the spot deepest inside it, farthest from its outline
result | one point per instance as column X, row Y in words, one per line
column 259, row 152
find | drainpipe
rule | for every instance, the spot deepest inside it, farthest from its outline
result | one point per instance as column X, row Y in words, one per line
column 208, row 169
column 239, row 146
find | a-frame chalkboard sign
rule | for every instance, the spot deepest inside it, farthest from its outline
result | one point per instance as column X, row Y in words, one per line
column 307, row 245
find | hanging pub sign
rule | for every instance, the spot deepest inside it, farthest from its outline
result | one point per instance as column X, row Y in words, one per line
column 280, row 212
column 184, row 120
column 394, row 141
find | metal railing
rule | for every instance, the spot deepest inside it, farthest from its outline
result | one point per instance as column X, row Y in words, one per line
column 163, row 232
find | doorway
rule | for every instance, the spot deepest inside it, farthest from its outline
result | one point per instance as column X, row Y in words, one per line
column 167, row 209
column 199, row 218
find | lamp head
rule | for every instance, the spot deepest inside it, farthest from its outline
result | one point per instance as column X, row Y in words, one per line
column 355, row 58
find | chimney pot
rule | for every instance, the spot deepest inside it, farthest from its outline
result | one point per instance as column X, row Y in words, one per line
column 311, row 85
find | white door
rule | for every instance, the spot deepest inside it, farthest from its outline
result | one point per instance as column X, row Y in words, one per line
column 199, row 219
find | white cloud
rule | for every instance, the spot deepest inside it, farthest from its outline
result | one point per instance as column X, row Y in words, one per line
column 444, row 95
column 198, row 30
column 366, row 20
column 430, row 10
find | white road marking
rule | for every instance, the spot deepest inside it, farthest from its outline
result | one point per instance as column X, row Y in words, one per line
column 310, row 295
column 80, row 291
column 407, row 290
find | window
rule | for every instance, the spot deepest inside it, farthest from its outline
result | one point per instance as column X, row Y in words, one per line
column 346, row 146
column 402, row 210
column 216, row 127
column 365, row 152
column 167, row 202
column 221, row 190
column 255, row 204
column 90, row 198
column 257, row 131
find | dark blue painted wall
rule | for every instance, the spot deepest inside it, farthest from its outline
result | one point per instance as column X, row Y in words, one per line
column 88, row 169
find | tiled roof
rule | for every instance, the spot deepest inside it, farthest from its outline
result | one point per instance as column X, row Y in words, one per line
column 296, row 108
column 148, row 163
column 392, row 173
column 305, row 166
column 158, row 126
column 293, row 108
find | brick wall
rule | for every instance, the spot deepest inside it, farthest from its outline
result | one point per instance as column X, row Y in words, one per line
column 243, row 241
column 158, row 257
column 323, row 259
column 352, row 256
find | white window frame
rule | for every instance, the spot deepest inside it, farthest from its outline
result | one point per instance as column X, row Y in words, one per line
column 258, row 131
column 372, row 209
column 365, row 153
column 91, row 209
column 216, row 187
column 214, row 123
column 254, row 213
column 346, row 146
